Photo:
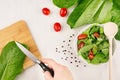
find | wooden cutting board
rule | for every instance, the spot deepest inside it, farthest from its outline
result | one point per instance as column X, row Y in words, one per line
column 19, row 32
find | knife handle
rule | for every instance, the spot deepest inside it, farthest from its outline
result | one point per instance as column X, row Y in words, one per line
column 46, row 68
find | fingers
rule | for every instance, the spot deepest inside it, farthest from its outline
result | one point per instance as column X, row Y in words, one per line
column 51, row 63
column 47, row 76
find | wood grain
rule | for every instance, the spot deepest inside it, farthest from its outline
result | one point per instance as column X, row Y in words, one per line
column 19, row 32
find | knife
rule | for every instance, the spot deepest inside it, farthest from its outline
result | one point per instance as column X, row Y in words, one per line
column 34, row 59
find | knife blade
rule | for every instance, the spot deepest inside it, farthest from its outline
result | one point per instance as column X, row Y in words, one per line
column 34, row 59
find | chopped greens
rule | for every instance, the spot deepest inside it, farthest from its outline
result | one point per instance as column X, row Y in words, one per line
column 96, row 46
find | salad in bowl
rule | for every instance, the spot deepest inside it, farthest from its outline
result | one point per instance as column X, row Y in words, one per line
column 92, row 45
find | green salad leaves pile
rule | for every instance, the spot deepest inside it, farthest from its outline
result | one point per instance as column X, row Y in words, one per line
column 93, row 45
column 92, row 11
column 11, row 61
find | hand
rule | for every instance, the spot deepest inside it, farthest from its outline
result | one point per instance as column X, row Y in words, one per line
column 60, row 72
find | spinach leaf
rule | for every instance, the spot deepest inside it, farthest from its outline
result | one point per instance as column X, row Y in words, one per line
column 11, row 61
column 65, row 3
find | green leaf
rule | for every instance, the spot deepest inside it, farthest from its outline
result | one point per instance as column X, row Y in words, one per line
column 85, row 49
column 94, row 28
column 77, row 12
column 99, row 58
column 105, row 12
column 117, row 3
column 64, row 3
column 116, row 19
column 101, row 30
column 103, row 45
column 105, row 52
column 89, row 13
column 117, row 36
column 95, row 50
column 11, row 61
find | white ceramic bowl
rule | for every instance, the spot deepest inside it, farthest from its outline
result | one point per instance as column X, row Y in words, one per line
column 75, row 43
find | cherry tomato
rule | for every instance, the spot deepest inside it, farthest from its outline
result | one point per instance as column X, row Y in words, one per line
column 81, row 45
column 91, row 55
column 46, row 11
column 57, row 27
column 82, row 36
column 63, row 12
column 97, row 35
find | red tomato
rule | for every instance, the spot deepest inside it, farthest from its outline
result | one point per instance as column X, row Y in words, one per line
column 46, row 11
column 57, row 27
column 80, row 45
column 91, row 55
column 82, row 36
column 97, row 35
column 63, row 12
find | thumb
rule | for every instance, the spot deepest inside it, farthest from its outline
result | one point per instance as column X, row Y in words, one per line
column 48, row 76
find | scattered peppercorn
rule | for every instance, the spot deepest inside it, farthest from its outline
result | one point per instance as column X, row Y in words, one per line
column 84, row 65
column 77, row 65
column 68, row 54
